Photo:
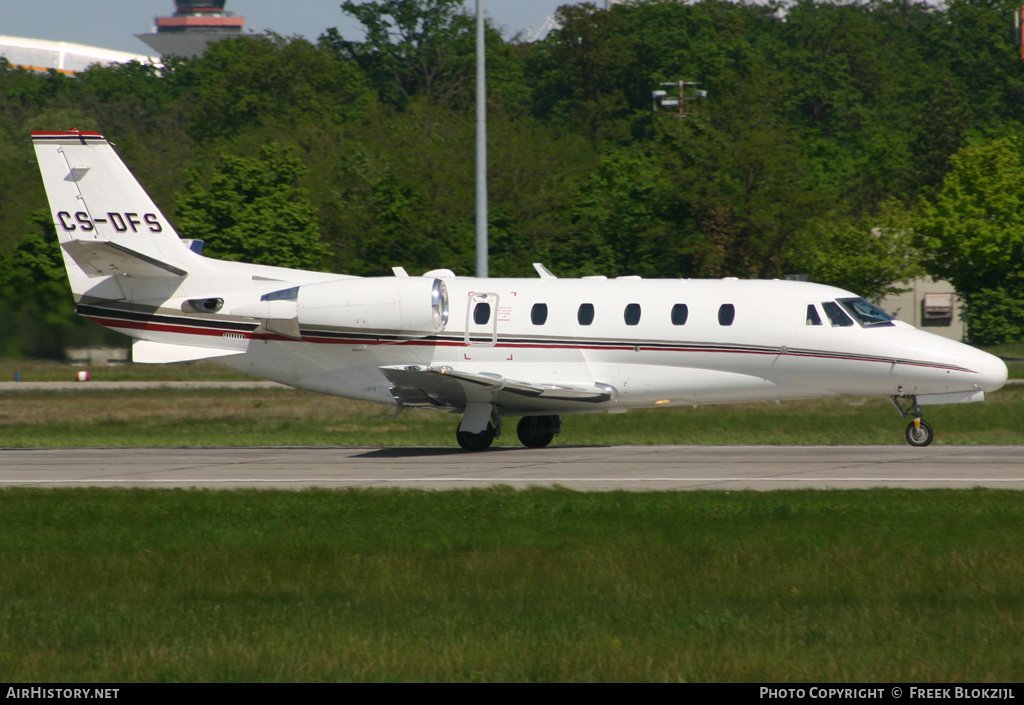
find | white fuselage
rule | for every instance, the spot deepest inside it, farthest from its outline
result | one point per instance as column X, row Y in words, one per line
column 487, row 348
column 769, row 351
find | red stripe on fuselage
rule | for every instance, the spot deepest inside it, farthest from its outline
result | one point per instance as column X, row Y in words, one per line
column 317, row 340
column 165, row 327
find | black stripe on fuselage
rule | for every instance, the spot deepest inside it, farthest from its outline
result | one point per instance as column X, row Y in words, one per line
column 151, row 317
column 138, row 317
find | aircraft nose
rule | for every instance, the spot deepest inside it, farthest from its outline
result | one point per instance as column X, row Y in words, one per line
column 993, row 373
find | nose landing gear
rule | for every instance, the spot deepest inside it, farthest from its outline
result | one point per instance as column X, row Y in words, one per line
column 919, row 431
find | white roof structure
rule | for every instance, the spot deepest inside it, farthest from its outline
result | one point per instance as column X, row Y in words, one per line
column 65, row 57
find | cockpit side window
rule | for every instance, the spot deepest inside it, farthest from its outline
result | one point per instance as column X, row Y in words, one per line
column 866, row 313
column 813, row 319
column 836, row 317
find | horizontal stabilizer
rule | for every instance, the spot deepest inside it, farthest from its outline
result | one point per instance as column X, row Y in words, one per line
column 146, row 351
column 449, row 388
column 100, row 258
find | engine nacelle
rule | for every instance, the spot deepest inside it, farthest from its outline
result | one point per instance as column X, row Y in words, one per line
column 411, row 307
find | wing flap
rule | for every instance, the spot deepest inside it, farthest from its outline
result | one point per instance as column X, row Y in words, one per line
column 446, row 387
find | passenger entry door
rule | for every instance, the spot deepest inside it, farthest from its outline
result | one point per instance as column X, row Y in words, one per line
column 482, row 319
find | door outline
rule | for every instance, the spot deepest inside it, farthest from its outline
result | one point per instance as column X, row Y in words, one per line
column 490, row 328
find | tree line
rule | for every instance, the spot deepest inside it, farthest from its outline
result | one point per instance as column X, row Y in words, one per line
column 856, row 143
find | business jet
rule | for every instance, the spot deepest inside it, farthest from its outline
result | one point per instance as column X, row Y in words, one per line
column 488, row 349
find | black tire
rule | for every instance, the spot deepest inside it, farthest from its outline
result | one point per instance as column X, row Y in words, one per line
column 476, row 441
column 538, row 431
column 919, row 437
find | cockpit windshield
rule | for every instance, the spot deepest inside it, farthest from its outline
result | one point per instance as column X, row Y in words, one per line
column 866, row 313
column 836, row 317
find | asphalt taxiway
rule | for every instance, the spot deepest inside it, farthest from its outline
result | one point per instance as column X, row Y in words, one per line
column 574, row 467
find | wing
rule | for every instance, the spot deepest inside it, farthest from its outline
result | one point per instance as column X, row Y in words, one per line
column 447, row 388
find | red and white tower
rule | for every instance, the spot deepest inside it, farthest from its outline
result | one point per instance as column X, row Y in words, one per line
column 194, row 25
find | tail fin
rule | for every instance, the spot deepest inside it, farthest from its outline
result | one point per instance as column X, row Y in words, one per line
column 106, row 222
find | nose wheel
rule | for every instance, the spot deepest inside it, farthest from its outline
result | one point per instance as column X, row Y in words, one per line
column 919, row 431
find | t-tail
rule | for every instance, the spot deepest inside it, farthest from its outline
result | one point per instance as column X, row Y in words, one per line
column 107, row 224
column 129, row 270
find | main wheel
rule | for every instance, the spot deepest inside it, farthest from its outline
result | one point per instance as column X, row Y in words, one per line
column 538, row 431
column 476, row 441
column 919, row 436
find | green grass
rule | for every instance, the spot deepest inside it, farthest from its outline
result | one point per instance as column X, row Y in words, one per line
column 1013, row 355
column 49, row 371
column 1006, row 350
column 82, row 417
column 499, row 585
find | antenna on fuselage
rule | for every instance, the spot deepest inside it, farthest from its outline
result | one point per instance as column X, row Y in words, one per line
column 481, row 145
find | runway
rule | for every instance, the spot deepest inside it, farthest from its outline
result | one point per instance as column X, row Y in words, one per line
column 577, row 468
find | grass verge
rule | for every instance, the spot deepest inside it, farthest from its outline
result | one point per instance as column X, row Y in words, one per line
column 502, row 585
column 163, row 417
column 50, row 371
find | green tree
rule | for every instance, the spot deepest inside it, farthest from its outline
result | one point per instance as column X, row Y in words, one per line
column 874, row 86
column 744, row 193
column 585, row 72
column 247, row 84
column 621, row 211
column 874, row 256
column 973, row 235
column 37, row 310
column 403, row 192
column 412, row 47
column 253, row 211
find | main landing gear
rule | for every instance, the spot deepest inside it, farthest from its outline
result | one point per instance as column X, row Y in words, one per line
column 477, row 441
column 533, row 431
column 538, row 431
column 919, row 431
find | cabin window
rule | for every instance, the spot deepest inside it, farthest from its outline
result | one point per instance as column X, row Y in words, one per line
column 836, row 317
column 726, row 314
column 680, row 312
column 813, row 319
column 632, row 314
column 539, row 314
column 482, row 313
column 585, row 315
column 866, row 313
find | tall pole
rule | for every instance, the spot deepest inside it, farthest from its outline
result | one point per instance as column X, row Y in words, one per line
column 481, row 145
